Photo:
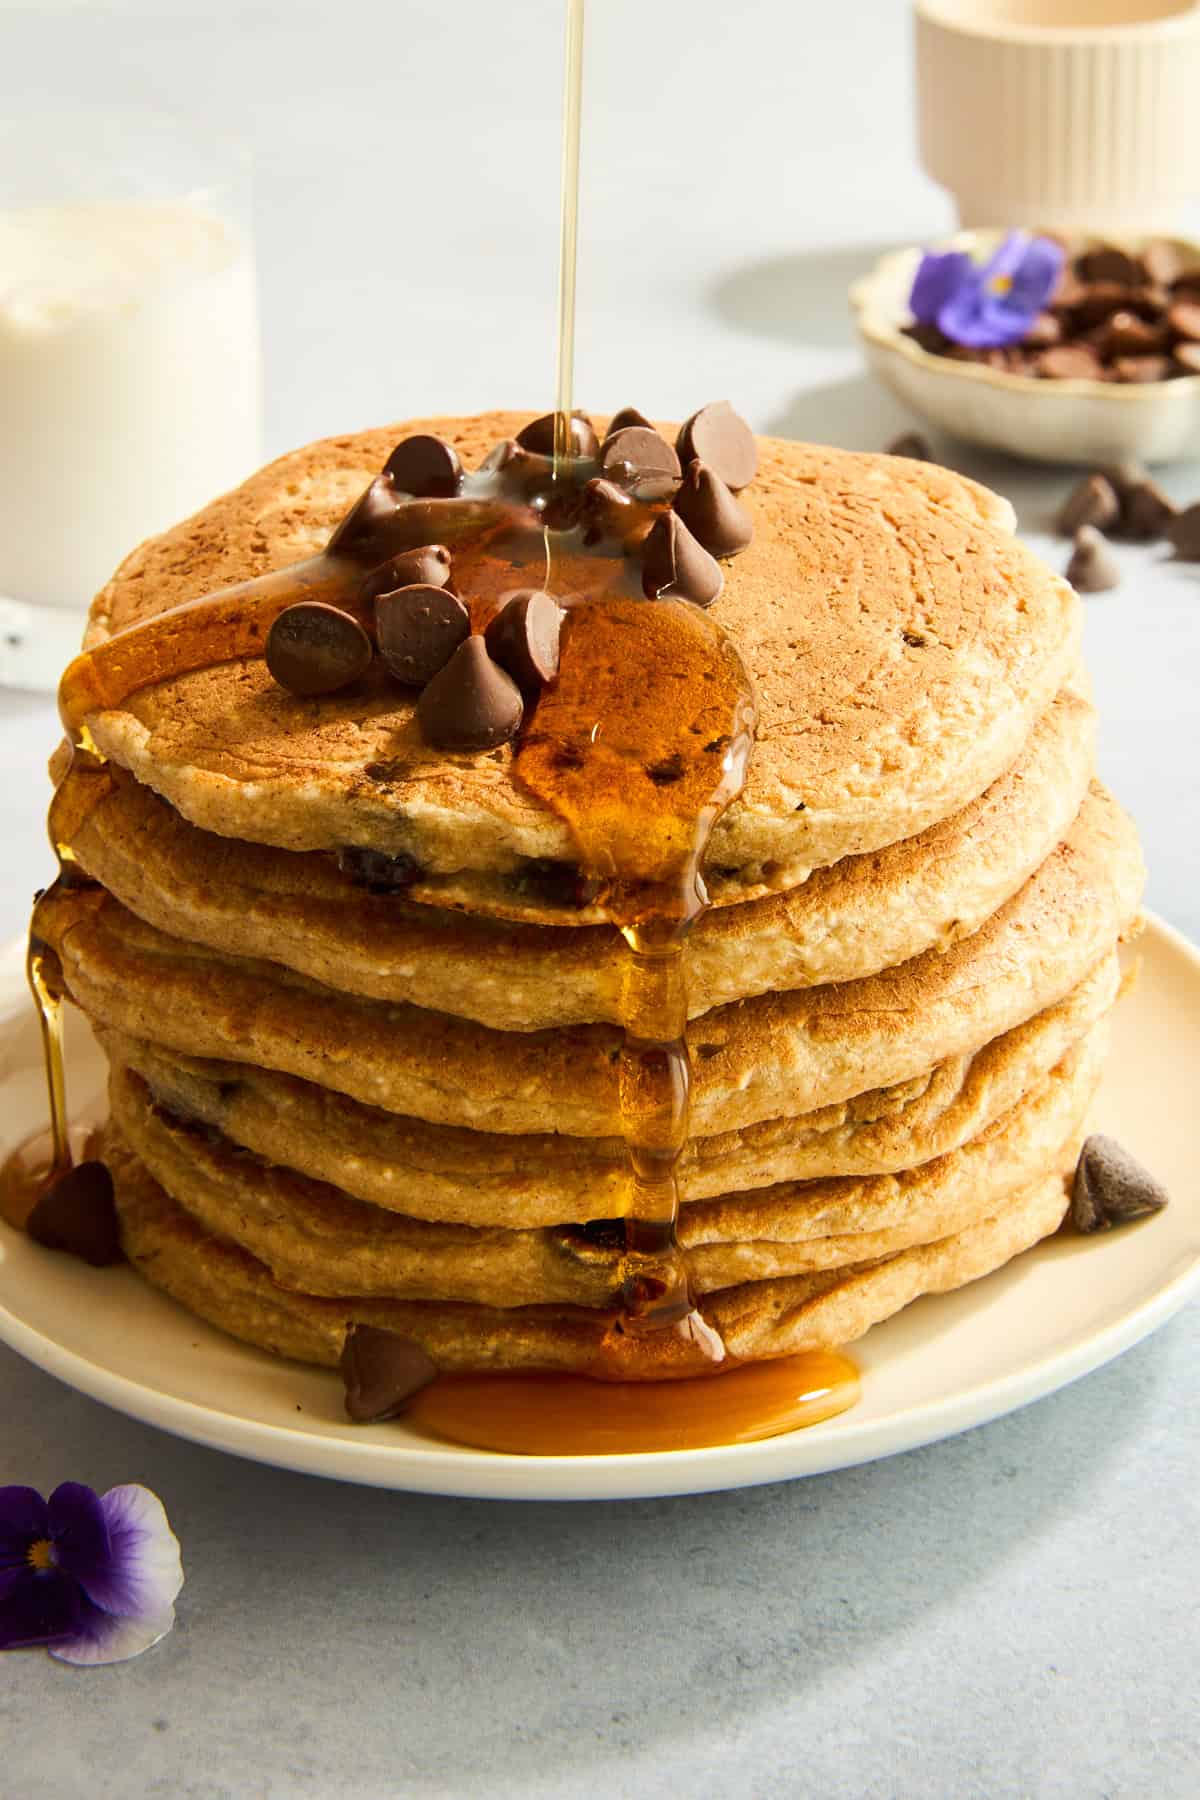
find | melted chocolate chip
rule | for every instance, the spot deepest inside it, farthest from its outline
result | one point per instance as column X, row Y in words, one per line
column 316, row 649
column 471, row 704
column 78, row 1215
column 523, row 638
column 628, row 418
column 557, row 884
column 674, row 564
column 367, row 522
column 1093, row 568
column 377, row 871
column 711, row 513
column 538, row 435
column 720, row 437
column 419, row 629
column 1111, row 1187
column 382, row 1371
column 638, row 459
column 425, row 467
column 607, row 512
column 1094, row 502
column 427, row 567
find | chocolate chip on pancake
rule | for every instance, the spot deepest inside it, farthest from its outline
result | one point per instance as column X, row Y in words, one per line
column 376, row 871
column 628, row 417
column 1093, row 568
column 77, row 1215
column 427, row 567
column 607, row 511
column 674, row 564
column 638, row 458
column 1111, row 1187
column 538, row 435
column 316, row 649
column 419, row 628
column 711, row 512
column 426, row 467
column 1093, row 502
column 471, row 704
column 720, row 437
column 523, row 638
column 382, row 1372
column 359, row 532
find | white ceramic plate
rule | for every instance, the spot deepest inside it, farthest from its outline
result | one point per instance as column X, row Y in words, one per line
column 943, row 1365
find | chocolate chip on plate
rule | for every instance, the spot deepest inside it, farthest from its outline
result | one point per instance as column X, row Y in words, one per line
column 1183, row 534
column 425, row 467
column 523, row 638
column 77, row 1214
column 1107, row 263
column 913, row 445
column 471, row 704
column 1125, row 334
column 1141, row 368
column 1043, row 333
column 1162, row 262
column 720, row 437
column 382, row 1372
column 427, row 567
column 1094, row 502
column 714, row 516
column 538, row 435
column 419, row 628
column 638, row 459
column 1111, row 1187
column 1188, row 358
column 628, row 417
column 1070, row 362
column 1184, row 319
column 316, row 649
column 1093, row 568
column 674, row 565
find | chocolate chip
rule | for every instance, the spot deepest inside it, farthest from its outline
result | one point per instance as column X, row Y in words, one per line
column 1183, row 533
column 554, row 883
column 376, row 871
column 1111, row 1187
column 382, row 1371
column 720, row 437
column 1127, row 335
column 367, row 522
column 1142, row 368
column 607, row 511
column 1188, row 358
column 1146, row 512
column 1070, row 362
column 538, row 435
column 638, row 459
column 523, row 638
column 78, row 1215
column 711, row 512
column 628, row 417
column 913, row 445
column 427, row 567
column 1093, row 568
column 1184, row 319
column 674, row 564
column 1093, row 502
column 1044, row 332
column 419, row 628
column 1162, row 262
column 425, row 467
column 1107, row 263
column 1102, row 299
column 316, row 649
column 471, row 704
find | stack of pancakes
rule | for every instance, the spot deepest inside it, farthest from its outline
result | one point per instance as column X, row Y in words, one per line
column 363, row 1027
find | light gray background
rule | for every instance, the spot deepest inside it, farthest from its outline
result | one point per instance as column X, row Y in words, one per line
column 1013, row 1612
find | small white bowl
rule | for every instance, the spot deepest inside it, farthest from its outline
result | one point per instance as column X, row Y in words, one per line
column 1043, row 421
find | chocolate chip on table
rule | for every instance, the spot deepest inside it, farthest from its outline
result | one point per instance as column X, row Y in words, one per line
column 419, row 628
column 1146, row 512
column 538, row 435
column 913, row 445
column 720, row 437
column 628, row 417
column 427, row 567
column 1111, row 1187
column 78, row 1214
column 638, row 459
column 1183, row 534
column 523, row 638
column 471, row 704
column 675, row 565
column 1070, row 362
column 425, row 467
column 316, row 649
column 713, row 515
column 1094, row 502
column 1093, row 568
column 382, row 1372
column 378, row 872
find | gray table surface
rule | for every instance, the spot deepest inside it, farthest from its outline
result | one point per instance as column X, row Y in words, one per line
column 1009, row 1613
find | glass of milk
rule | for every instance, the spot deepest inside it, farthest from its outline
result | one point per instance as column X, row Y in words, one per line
column 130, row 387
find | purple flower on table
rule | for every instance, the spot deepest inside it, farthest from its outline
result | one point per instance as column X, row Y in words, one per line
column 92, row 1577
column 986, row 306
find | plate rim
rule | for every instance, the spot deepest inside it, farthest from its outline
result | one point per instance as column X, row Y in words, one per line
column 464, row 1472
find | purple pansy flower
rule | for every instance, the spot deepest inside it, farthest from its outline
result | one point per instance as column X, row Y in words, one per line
column 986, row 306
column 92, row 1577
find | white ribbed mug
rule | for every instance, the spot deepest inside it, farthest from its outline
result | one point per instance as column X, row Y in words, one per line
column 1069, row 114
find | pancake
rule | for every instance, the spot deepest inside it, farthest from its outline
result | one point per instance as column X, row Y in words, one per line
column 825, row 1309
column 864, row 914
column 775, row 1056
column 317, row 1240
column 487, row 1179
column 900, row 640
